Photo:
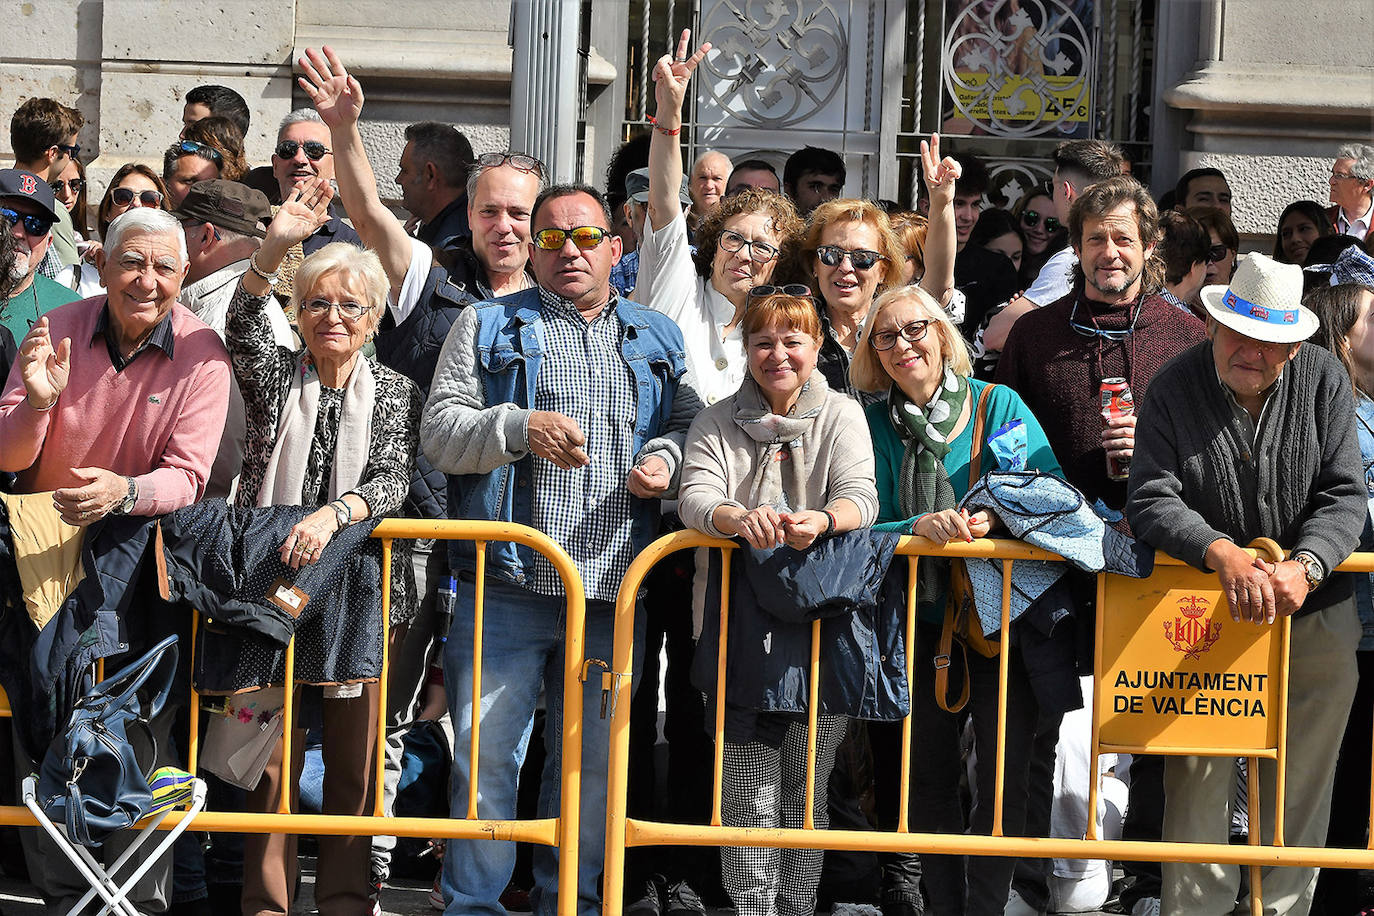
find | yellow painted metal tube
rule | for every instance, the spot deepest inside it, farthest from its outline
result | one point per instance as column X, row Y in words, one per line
column 1252, row 806
column 722, row 648
column 379, row 798
column 1281, row 777
column 1003, row 667
column 570, row 789
column 1095, row 754
column 813, row 704
column 288, row 718
column 478, row 627
column 904, row 790
column 193, row 739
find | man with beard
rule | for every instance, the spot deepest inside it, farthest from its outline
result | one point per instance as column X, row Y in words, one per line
column 28, row 211
column 1112, row 324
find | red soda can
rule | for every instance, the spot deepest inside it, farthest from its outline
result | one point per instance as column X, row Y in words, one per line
column 1117, row 401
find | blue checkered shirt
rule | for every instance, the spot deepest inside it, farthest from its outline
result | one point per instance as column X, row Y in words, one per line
column 584, row 376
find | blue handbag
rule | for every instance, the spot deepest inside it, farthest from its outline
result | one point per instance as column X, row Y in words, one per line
column 91, row 780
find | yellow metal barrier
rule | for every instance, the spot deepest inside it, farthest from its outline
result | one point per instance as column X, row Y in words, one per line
column 561, row 832
column 623, row 832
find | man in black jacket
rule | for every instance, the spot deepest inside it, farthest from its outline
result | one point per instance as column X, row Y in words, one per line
column 1252, row 434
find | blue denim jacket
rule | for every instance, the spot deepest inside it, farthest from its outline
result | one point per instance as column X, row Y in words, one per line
column 510, row 349
column 1364, row 584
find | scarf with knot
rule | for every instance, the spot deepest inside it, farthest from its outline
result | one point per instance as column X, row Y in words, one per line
column 776, row 475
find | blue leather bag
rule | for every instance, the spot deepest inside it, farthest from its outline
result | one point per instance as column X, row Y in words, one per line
column 91, row 780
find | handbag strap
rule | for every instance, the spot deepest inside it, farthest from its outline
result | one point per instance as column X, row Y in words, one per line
column 137, row 674
column 944, row 656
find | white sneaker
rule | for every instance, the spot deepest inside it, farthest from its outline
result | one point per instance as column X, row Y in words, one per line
column 1146, row 906
column 1017, row 906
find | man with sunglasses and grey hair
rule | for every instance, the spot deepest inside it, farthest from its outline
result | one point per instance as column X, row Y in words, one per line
column 580, row 443
column 28, row 212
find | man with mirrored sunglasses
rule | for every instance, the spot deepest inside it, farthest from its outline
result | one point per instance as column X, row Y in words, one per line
column 562, row 407
column 28, row 212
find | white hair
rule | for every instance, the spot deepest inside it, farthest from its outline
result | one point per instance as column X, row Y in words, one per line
column 1363, row 168
column 298, row 116
column 729, row 166
column 147, row 220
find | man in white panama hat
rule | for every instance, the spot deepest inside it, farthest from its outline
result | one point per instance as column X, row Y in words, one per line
column 1252, row 434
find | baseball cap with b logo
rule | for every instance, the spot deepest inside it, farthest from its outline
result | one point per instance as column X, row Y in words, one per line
column 17, row 183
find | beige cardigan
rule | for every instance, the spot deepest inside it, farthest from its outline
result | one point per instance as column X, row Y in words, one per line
column 721, row 457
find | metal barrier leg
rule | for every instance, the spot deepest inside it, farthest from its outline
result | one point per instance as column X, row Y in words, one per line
column 1252, row 805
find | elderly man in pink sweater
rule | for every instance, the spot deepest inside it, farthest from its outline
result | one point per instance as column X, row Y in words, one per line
column 116, row 403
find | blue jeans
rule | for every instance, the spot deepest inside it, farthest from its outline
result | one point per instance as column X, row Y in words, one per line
column 522, row 655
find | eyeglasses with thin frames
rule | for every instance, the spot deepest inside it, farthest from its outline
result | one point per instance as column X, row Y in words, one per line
column 911, row 332
column 1092, row 330
column 348, row 311
column 759, row 252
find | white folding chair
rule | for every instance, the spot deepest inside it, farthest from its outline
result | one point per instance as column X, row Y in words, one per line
column 101, row 879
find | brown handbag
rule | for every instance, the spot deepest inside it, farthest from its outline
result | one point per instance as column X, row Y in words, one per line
column 961, row 627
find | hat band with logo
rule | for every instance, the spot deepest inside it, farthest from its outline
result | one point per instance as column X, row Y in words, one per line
column 1247, row 309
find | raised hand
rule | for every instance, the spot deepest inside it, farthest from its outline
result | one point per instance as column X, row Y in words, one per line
column 337, row 96
column 940, row 174
column 303, row 212
column 43, row 368
column 671, row 75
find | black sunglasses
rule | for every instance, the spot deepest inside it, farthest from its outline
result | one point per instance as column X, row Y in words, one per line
column 122, row 197
column 1031, row 219
column 861, row 258
column 1216, row 253
column 912, row 332
column 791, row 289
column 33, row 223
column 518, row 161
column 192, row 148
column 584, row 237
column 76, row 185
column 73, row 151
column 314, row 149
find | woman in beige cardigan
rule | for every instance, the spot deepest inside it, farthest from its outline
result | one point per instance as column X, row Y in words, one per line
column 785, row 460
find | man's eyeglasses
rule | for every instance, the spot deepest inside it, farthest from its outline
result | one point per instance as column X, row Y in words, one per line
column 1216, row 253
column 861, row 258
column 791, row 289
column 348, row 311
column 75, row 185
column 759, row 252
column 1344, row 176
column 314, row 149
column 1031, row 218
column 73, row 151
column 518, row 161
column 123, row 197
column 34, row 224
column 584, row 237
column 192, row 148
column 912, row 332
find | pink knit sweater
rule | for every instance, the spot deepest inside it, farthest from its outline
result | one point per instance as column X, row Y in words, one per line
column 159, row 421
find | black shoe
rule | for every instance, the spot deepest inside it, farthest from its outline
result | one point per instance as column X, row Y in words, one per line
column 651, row 904
column 199, row 907
column 681, row 900
column 903, row 903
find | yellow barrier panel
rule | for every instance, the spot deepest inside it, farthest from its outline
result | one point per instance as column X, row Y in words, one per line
column 561, row 832
column 1134, row 641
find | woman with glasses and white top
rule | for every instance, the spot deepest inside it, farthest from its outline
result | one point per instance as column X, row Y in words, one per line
column 330, row 427
column 737, row 246
column 852, row 253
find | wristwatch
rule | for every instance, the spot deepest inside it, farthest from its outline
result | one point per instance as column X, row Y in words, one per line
column 1312, row 569
column 127, row 504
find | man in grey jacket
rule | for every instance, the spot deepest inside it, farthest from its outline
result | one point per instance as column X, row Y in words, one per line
column 1252, row 434
column 564, row 408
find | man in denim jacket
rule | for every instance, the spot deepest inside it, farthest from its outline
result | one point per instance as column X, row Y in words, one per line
column 562, row 407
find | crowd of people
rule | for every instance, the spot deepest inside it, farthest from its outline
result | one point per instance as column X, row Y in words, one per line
column 214, row 392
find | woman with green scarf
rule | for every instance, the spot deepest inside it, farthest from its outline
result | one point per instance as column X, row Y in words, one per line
column 923, row 442
column 784, row 460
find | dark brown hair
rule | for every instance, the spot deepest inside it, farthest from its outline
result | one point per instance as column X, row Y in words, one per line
column 1104, row 196
column 223, row 136
column 785, row 222
column 40, row 124
column 1337, row 309
column 102, row 215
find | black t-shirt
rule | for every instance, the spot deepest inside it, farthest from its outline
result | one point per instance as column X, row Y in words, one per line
column 987, row 279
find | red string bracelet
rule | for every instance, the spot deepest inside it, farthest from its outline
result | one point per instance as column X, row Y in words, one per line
column 663, row 130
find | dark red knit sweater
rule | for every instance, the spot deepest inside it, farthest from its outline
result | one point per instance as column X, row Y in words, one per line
column 1058, row 372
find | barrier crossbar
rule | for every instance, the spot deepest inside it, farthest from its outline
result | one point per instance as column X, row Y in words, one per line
column 623, row 832
column 561, row 832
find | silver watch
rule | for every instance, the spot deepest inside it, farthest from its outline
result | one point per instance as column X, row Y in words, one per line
column 126, row 506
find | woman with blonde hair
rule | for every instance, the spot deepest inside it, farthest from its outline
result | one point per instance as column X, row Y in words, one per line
column 912, row 356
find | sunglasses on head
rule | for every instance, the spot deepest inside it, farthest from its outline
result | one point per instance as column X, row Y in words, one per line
column 33, row 223
column 791, row 289
column 518, row 161
column 192, row 148
column 583, row 237
column 1031, row 219
column 76, row 185
column 348, row 311
column 912, row 332
column 1216, row 253
column 760, row 252
column 861, row 258
column 123, row 197
column 314, row 149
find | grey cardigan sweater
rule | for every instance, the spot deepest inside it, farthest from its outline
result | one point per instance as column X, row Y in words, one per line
column 1195, row 476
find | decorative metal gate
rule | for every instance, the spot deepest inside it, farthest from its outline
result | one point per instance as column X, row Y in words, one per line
column 1006, row 79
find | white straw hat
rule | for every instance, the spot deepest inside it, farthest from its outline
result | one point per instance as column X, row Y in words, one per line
column 1263, row 302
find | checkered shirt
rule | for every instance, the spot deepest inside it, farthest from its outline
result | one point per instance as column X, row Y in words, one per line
column 584, row 376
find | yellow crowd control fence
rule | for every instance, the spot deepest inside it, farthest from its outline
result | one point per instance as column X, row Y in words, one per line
column 1161, row 623
column 560, row 832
